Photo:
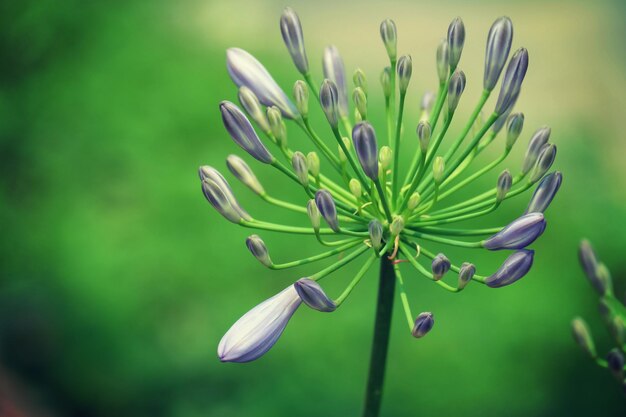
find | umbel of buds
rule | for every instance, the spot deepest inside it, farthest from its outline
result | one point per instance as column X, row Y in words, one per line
column 383, row 193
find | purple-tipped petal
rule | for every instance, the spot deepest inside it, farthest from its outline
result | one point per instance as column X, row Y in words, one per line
column 456, row 39
column 257, row 247
column 455, row 90
column 364, row 138
column 518, row 234
column 440, row 265
column 544, row 193
column 514, row 267
column 497, row 51
column 423, row 324
column 219, row 194
column 242, row 132
column 291, row 29
column 314, row 296
column 329, row 102
column 512, row 81
column 335, row 71
column 466, row 273
column 326, row 205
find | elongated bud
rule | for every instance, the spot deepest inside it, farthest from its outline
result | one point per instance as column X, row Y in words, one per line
column 376, row 233
column 455, row 90
column 537, row 141
column 423, row 134
column 301, row 95
column 501, row 121
column 360, row 102
column 314, row 215
column 257, row 247
column 589, row 262
column 245, row 70
column 497, row 51
column 355, row 188
column 456, row 39
column 414, row 201
column 385, row 156
column 604, row 276
column 276, row 125
column 505, row 180
column 514, row 126
column 466, row 273
column 360, row 80
column 366, row 148
column 544, row 162
column 544, row 193
column 291, row 29
column 405, row 69
column 512, row 81
column 252, row 106
column 259, row 329
column 615, row 362
column 423, row 324
column 219, row 194
column 328, row 102
column 443, row 61
column 240, row 129
column 385, row 81
column 301, row 168
column 514, row 267
column 314, row 296
column 518, row 234
column 389, row 36
column 335, row 71
column 326, row 205
column 440, row 265
column 244, row 173
column 397, row 225
column 313, row 160
column 582, row 336
column 438, row 168
column 426, row 105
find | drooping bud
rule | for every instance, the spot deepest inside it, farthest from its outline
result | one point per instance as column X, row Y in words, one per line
column 440, row 265
column 240, row 129
column 385, row 81
column 423, row 324
column 544, row 162
column 397, row 225
column 364, row 138
column 259, row 329
column 314, row 215
column 512, row 81
column 244, row 173
column 252, row 106
column 466, row 273
column 615, row 362
column 359, row 80
column 456, row 39
column 385, row 156
column 438, row 169
column 376, row 233
column 544, row 193
column 582, row 336
column 589, row 262
column 443, row 61
column 414, row 201
column 389, row 36
column 314, row 296
column 539, row 138
column 245, row 70
column 514, row 267
column 291, row 29
column 313, row 160
column 301, row 168
column 277, row 126
column 405, row 69
column 355, row 188
column 518, row 234
column 335, row 71
column 505, row 180
column 497, row 51
column 301, row 95
column 219, row 194
column 326, row 205
column 514, row 126
column 328, row 102
column 423, row 134
column 257, row 247
column 455, row 89
column 360, row 102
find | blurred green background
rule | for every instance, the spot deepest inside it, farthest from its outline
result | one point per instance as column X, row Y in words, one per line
column 118, row 279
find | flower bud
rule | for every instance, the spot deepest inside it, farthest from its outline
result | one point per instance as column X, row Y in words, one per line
column 328, row 101
column 405, row 69
column 335, row 71
column 276, row 125
column 257, row 247
column 326, row 205
column 314, row 214
column 414, row 201
column 397, row 225
column 455, row 89
column 438, row 168
column 301, row 168
column 423, row 134
column 423, row 323
column 443, row 61
column 615, row 362
column 604, row 277
column 366, row 148
column 514, row 126
column 589, row 262
column 301, row 95
column 512, row 81
column 359, row 80
column 544, row 162
column 518, row 234
column 514, row 267
column 385, row 81
column 360, row 102
column 501, row 121
column 221, row 197
column 618, row 329
column 291, row 29
column 245, row 70
column 385, row 156
column 504, row 185
column 355, row 188
column 497, row 51
column 466, row 273
column 456, row 39
column 426, row 105
column 313, row 160
column 390, row 37
column 539, row 138
column 582, row 336
column 544, row 193
column 244, row 173
column 240, row 129
column 376, row 233
column 440, row 265
column 314, row 296
column 252, row 106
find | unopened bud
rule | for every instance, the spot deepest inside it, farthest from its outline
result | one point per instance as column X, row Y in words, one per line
column 615, row 362
column 539, row 138
column 385, row 156
column 466, row 273
column 505, row 180
column 455, row 90
column 328, row 102
column 456, row 39
column 257, row 247
column 355, row 188
column 544, row 162
column 314, row 215
column 291, row 30
column 438, row 168
column 360, row 80
column 423, row 324
column 250, row 102
column 301, row 168
column 301, row 95
column 385, row 81
column 313, row 160
column 314, row 296
column 326, row 205
column 376, row 233
column 423, row 134
column 512, row 81
column 414, row 201
column 582, row 336
column 498, row 48
column 364, row 138
column 405, row 69
column 242, row 171
column 360, row 102
column 443, row 61
column 389, row 36
column 514, row 126
column 440, row 265
column 397, row 225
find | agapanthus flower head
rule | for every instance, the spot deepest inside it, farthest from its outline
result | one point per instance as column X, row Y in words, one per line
column 385, row 192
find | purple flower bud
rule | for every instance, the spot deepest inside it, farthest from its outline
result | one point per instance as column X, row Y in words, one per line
column 466, row 273
column 518, row 234
column 536, row 143
column 376, row 233
column 423, row 134
column 456, row 39
column 514, row 126
column 217, row 191
column 443, row 61
column 440, row 265
column 514, row 267
column 335, row 71
column 245, row 70
column 240, row 129
column 314, row 296
column 328, row 102
column 257, row 247
column 544, row 193
column 390, row 37
column 544, row 162
column 243, row 173
column 364, row 138
column 423, row 323
column 590, row 264
column 582, row 336
column 512, row 82
column 455, row 89
column 326, row 205
column 405, row 69
column 615, row 362
column 259, row 329
column 291, row 29
column 498, row 48
column 504, row 185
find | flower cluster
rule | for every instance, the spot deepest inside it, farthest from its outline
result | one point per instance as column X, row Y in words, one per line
column 613, row 312
column 373, row 206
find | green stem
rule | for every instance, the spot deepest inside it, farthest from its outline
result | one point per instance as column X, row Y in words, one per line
column 396, row 153
column 315, row 257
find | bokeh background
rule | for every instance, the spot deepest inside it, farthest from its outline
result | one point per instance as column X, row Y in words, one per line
column 117, row 279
